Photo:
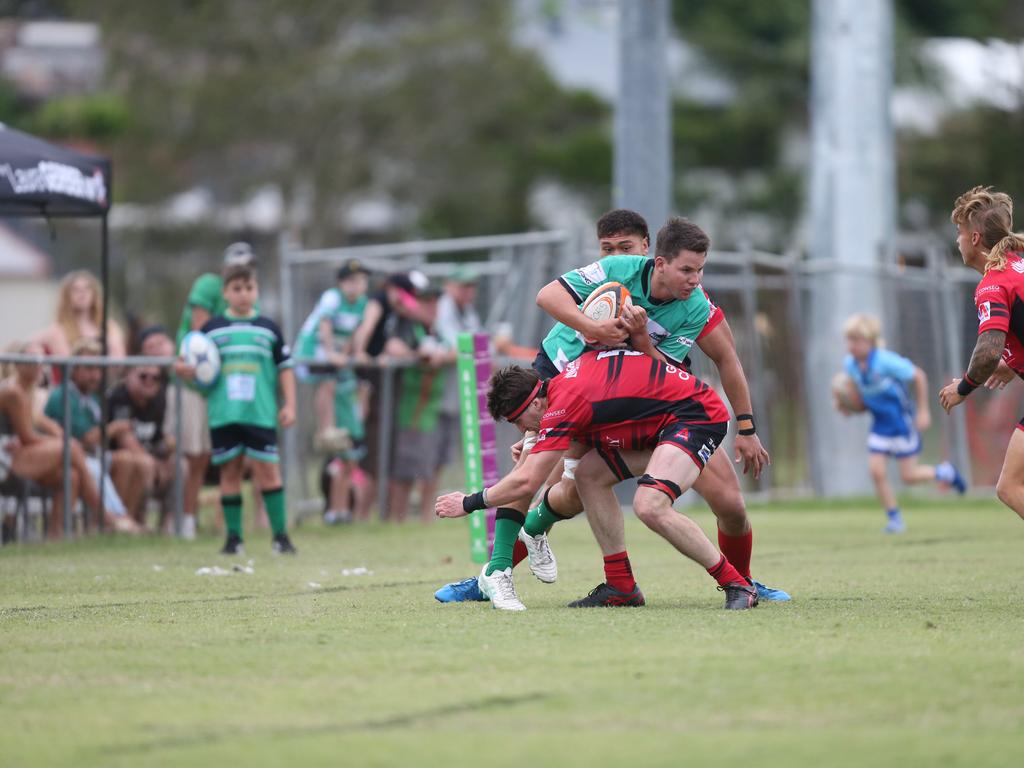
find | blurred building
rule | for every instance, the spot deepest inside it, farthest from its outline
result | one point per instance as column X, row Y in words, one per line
column 50, row 58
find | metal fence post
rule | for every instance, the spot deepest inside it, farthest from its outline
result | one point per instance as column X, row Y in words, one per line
column 66, row 411
column 179, row 480
column 385, row 408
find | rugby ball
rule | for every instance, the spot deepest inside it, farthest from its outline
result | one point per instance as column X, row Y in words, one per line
column 606, row 302
column 200, row 353
column 845, row 394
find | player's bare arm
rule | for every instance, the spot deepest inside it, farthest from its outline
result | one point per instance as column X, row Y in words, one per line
column 361, row 337
column 557, row 302
column 524, row 480
column 286, row 415
column 720, row 347
column 923, row 419
column 988, row 351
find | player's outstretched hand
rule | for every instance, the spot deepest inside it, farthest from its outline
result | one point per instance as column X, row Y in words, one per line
column 749, row 450
column 450, row 505
column 184, row 371
column 949, row 398
column 286, row 416
column 1003, row 375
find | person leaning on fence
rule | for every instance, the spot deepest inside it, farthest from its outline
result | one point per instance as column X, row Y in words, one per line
column 882, row 379
column 420, row 392
column 375, row 340
column 26, row 454
column 125, row 485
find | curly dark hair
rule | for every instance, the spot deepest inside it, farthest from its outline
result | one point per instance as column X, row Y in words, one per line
column 508, row 388
column 622, row 221
column 680, row 234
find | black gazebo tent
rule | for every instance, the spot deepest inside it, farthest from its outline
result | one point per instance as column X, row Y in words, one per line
column 40, row 179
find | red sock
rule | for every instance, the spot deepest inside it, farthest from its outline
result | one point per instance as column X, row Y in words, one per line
column 725, row 573
column 518, row 553
column 618, row 574
column 737, row 550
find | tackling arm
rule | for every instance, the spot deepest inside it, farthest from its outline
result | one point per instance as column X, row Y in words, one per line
column 525, row 480
column 988, row 351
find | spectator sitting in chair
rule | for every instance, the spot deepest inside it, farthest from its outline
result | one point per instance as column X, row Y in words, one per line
column 141, row 400
column 26, row 454
column 127, row 470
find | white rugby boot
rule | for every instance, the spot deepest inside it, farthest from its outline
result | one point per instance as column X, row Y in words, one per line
column 542, row 560
column 500, row 588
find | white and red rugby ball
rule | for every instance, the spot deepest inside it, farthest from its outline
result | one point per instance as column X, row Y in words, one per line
column 607, row 301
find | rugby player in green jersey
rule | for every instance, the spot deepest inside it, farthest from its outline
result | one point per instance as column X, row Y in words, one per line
column 243, row 407
column 671, row 313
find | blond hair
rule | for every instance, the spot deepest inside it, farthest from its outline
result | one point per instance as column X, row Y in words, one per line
column 864, row 326
column 66, row 315
column 990, row 214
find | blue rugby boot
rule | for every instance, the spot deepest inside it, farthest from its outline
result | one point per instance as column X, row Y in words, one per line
column 947, row 473
column 463, row 591
column 771, row 595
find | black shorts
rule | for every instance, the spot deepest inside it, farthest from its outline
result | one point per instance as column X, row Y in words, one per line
column 233, row 440
column 544, row 367
column 697, row 440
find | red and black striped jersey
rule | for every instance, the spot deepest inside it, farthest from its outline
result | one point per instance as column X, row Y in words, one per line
column 1000, row 301
column 622, row 399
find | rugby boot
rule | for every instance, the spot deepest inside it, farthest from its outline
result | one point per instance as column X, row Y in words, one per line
column 739, row 596
column 542, row 560
column 603, row 596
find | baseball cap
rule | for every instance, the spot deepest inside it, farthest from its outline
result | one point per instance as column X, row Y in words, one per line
column 239, row 253
column 464, row 275
column 352, row 267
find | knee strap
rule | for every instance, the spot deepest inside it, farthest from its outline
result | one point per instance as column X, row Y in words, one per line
column 670, row 489
column 569, row 471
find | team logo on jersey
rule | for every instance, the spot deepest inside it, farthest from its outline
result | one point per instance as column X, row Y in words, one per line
column 1017, row 265
column 984, row 311
column 572, row 369
column 685, row 341
column 706, row 450
column 543, row 434
column 684, row 435
column 656, row 331
column 592, row 274
column 613, row 442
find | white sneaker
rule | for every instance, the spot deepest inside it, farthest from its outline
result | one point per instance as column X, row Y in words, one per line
column 500, row 588
column 542, row 559
column 188, row 527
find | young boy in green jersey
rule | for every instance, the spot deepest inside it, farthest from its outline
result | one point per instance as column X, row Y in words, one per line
column 243, row 408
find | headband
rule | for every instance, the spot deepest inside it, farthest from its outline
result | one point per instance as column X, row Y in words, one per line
column 518, row 410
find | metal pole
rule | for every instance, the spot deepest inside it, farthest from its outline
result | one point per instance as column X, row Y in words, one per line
column 65, row 403
column 384, row 412
column 179, row 480
column 643, row 146
column 289, row 443
column 105, row 279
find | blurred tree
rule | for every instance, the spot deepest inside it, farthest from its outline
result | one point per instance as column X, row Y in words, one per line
column 438, row 113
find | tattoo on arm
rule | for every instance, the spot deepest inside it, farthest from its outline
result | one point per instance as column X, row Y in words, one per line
column 987, row 353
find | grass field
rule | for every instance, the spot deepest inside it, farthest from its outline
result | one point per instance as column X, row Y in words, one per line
column 901, row 650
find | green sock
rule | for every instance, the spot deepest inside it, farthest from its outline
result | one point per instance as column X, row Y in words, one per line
column 540, row 519
column 232, row 506
column 507, row 523
column 274, row 499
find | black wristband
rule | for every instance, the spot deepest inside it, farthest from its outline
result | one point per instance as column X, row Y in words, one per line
column 474, row 501
column 752, row 429
column 966, row 386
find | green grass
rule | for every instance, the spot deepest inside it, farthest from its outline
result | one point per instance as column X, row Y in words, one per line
column 895, row 651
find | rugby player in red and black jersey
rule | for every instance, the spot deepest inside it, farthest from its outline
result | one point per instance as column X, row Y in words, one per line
column 988, row 244
column 618, row 402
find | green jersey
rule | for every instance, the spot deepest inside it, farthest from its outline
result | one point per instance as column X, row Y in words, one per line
column 252, row 353
column 673, row 325
column 420, row 392
column 85, row 409
column 207, row 293
column 344, row 315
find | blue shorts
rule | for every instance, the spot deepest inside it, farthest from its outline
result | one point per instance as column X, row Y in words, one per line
column 897, row 446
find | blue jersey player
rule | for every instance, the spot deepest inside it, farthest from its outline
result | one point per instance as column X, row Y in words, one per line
column 883, row 380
